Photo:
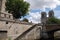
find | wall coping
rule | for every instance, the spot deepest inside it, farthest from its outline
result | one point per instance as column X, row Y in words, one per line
column 52, row 24
column 40, row 24
column 16, row 21
column 5, row 13
column 12, row 20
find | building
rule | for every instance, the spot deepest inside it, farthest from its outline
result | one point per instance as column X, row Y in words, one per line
column 44, row 17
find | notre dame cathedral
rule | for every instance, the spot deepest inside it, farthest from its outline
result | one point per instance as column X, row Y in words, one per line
column 44, row 17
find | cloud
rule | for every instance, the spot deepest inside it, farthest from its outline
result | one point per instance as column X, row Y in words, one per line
column 57, row 13
column 58, row 17
column 42, row 4
column 34, row 17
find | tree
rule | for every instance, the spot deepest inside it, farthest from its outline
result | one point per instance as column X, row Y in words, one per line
column 53, row 20
column 17, row 8
column 26, row 20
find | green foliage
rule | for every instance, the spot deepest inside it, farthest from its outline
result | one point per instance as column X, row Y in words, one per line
column 53, row 20
column 26, row 20
column 17, row 7
column 9, row 38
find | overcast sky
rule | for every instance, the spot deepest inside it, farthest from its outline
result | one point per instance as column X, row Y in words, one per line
column 36, row 6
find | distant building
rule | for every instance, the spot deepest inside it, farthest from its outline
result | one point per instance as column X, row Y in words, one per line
column 51, row 13
column 44, row 17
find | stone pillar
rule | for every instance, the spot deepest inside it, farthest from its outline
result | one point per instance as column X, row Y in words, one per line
column 44, row 34
column 51, row 35
column 3, row 6
column 0, row 4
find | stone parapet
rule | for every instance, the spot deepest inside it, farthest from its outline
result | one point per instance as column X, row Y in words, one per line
column 33, row 33
column 52, row 27
column 6, row 15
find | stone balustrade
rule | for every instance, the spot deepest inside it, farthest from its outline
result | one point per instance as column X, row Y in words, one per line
column 6, row 15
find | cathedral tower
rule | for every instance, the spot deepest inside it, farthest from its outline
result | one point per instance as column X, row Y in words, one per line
column 43, row 17
column 51, row 13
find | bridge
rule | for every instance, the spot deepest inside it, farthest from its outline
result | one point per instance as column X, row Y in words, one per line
column 50, row 29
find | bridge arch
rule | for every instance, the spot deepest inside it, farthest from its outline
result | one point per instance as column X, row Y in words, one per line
column 51, row 29
column 57, row 34
column 53, row 33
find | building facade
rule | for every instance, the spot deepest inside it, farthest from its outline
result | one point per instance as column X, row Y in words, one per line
column 44, row 17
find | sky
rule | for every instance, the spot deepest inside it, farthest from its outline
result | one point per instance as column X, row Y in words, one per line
column 37, row 6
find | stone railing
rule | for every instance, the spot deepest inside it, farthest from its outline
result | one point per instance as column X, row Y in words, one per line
column 51, row 27
column 9, row 18
column 32, row 33
column 6, row 15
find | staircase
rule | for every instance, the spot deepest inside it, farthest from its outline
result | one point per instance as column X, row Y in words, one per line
column 32, row 33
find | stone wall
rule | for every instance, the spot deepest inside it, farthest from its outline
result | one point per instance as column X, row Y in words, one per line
column 31, row 34
column 14, row 28
column 53, row 28
column 3, row 30
column 3, row 35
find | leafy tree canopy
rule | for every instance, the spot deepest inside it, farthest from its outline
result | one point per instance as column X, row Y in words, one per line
column 53, row 20
column 17, row 7
column 26, row 20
